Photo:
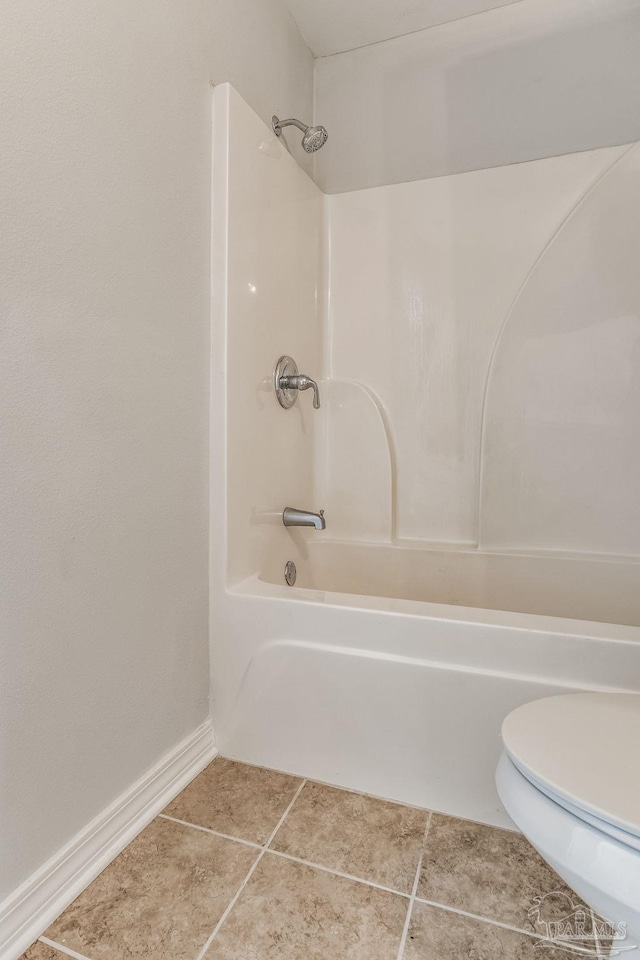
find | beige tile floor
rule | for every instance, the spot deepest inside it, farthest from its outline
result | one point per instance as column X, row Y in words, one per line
column 251, row 864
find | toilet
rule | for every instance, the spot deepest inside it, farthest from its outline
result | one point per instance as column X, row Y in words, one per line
column 569, row 777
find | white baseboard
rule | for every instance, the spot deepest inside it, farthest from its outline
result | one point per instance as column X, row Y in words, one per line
column 27, row 913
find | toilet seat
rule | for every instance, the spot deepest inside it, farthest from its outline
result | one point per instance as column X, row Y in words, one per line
column 610, row 829
column 581, row 751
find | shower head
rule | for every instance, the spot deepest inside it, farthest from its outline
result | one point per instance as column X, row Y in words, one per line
column 312, row 137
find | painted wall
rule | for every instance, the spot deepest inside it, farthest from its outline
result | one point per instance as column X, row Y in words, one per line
column 483, row 332
column 528, row 80
column 104, row 387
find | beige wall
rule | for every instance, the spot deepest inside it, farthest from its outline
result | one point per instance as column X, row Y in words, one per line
column 104, row 386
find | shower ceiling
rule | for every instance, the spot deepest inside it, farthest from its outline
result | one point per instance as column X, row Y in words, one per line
column 332, row 26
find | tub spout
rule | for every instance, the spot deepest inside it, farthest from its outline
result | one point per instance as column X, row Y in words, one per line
column 292, row 517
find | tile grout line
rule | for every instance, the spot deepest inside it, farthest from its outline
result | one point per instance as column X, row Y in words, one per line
column 252, row 870
column 214, row 833
column 288, row 856
column 476, row 916
column 414, row 889
column 62, row 949
column 285, row 815
column 494, row 923
column 338, row 873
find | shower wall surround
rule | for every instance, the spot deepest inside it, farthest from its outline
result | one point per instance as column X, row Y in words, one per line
column 273, row 302
column 476, row 343
column 483, row 330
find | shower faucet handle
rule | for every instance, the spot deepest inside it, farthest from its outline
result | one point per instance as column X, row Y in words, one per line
column 288, row 383
column 302, row 382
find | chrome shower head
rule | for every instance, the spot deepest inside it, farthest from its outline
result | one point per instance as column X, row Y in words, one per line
column 312, row 137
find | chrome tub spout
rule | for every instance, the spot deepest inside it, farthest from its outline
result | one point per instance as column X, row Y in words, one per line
column 292, row 517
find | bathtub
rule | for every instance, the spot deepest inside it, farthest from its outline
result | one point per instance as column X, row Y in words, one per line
column 555, row 586
column 389, row 669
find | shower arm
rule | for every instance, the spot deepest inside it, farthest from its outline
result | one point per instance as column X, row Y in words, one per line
column 289, row 123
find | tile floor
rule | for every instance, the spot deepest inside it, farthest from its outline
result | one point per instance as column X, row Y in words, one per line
column 251, row 864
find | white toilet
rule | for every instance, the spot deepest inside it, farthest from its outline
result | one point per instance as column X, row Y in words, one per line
column 569, row 777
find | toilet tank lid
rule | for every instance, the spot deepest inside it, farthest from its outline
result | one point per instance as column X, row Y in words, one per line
column 583, row 748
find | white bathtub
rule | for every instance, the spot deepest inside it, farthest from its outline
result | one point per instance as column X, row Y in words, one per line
column 390, row 669
column 580, row 588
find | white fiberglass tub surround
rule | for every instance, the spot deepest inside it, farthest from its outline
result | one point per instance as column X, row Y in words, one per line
column 578, row 588
column 452, row 411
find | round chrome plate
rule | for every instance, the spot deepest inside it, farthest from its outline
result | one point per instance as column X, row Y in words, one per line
column 285, row 367
column 290, row 572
